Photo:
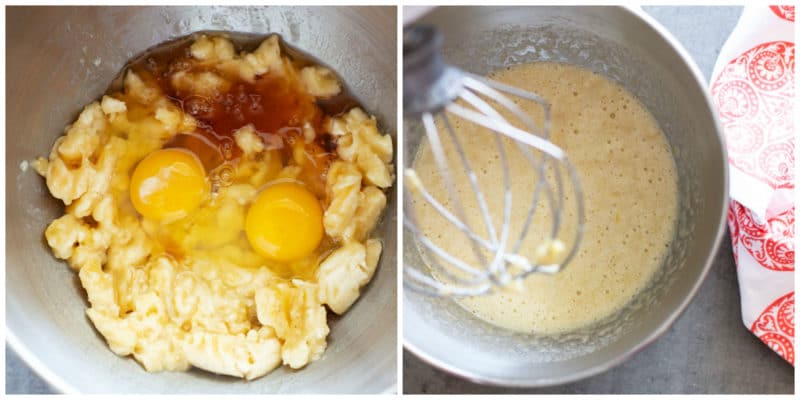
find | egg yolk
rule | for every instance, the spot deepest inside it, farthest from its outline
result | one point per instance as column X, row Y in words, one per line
column 168, row 184
column 284, row 222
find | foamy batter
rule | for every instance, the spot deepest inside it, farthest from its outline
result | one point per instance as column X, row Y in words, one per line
column 630, row 195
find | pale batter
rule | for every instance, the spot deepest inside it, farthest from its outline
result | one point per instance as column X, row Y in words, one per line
column 630, row 194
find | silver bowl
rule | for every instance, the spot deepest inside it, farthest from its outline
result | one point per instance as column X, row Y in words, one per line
column 61, row 58
column 629, row 47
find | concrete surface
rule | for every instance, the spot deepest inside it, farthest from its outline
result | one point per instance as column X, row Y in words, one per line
column 708, row 350
column 20, row 379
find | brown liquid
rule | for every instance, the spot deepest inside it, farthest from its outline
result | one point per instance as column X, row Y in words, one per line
column 276, row 106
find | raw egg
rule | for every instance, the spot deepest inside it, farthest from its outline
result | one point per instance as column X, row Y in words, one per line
column 284, row 222
column 168, row 184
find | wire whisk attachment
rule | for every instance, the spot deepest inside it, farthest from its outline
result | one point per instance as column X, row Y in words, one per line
column 439, row 94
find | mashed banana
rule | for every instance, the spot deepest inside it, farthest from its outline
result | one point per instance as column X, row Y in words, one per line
column 192, row 292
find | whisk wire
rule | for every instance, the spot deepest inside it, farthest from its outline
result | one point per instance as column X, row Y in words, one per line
column 473, row 180
column 444, row 169
column 556, row 202
column 444, row 255
column 509, row 130
column 420, row 282
column 498, row 267
column 444, row 212
column 515, row 91
column 539, row 165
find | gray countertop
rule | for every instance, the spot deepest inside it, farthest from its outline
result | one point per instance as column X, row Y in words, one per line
column 708, row 350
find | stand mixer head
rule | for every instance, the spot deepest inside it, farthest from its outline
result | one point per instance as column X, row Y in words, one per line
column 434, row 90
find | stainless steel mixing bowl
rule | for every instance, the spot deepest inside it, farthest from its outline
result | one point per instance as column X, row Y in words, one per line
column 629, row 47
column 58, row 60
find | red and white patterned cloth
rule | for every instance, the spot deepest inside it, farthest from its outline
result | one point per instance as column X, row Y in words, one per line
column 753, row 89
